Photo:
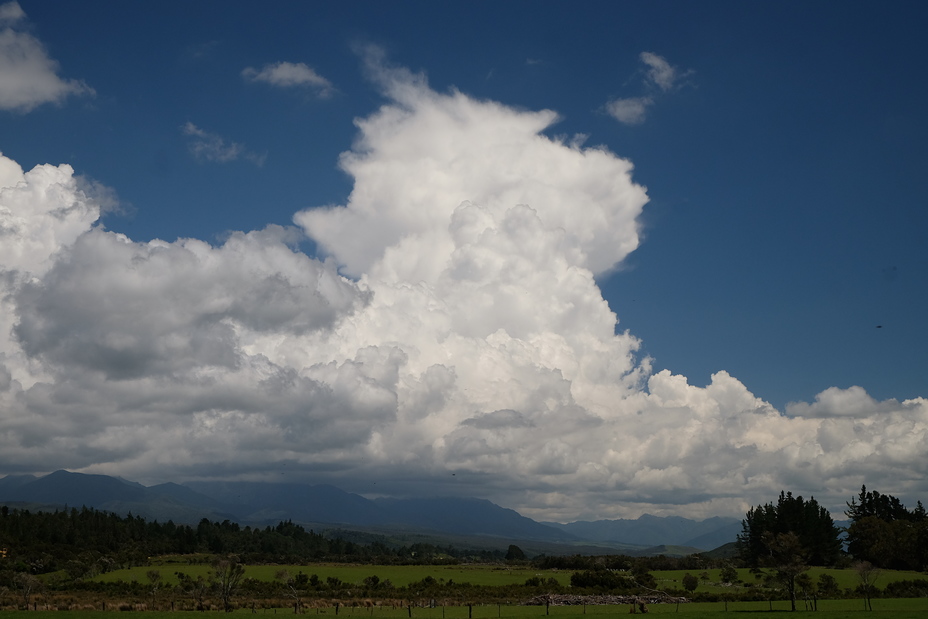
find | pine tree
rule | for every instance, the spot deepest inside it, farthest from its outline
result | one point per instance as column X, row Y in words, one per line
column 807, row 520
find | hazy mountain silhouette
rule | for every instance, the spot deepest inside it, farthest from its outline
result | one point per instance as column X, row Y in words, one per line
column 77, row 489
column 469, row 517
column 268, row 502
column 654, row 531
column 14, row 481
column 325, row 506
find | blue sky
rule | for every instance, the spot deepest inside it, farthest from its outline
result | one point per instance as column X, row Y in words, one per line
column 782, row 147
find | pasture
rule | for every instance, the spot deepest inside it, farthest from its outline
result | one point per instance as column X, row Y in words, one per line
column 399, row 575
column 827, row 609
column 480, row 575
column 845, row 578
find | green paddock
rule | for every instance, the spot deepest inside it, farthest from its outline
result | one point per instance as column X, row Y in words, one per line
column 480, row 575
column 845, row 578
column 827, row 609
column 399, row 575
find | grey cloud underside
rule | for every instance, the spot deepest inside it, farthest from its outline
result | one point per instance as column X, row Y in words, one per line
column 471, row 352
column 130, row 310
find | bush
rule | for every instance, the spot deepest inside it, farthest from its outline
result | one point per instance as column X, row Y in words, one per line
column 690, row 582
column 604, row 580
column 729, row 574
column 906, row 589
column 828, row 586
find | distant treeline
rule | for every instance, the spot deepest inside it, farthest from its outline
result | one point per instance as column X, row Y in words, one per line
column 87, row 541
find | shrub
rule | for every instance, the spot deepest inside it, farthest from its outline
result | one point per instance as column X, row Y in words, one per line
column 907, row 589
column 690, row 582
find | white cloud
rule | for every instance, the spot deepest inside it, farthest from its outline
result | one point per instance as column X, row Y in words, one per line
column 207, row 146
column 630, row 111
column 41, row 211
column 660, row 75
column 289, row 74
column 28, row 77
column 472, row 340
column 836, row 402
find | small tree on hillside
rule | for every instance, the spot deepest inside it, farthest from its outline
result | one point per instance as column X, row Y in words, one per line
column 154, row 583
column 828, row 586
column 195, row 587
column 787, row 557
column 226, row 576
column 867, row 574
column 515, row 553
column 292, row 591
column 728, row 573
column 27, row 584
column 690, row 582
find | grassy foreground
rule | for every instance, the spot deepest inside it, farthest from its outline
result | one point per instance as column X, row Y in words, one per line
column 827, row 609
column 477, row 574
column 399, row 575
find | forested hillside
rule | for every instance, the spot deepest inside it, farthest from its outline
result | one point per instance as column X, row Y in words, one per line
column 88, row 541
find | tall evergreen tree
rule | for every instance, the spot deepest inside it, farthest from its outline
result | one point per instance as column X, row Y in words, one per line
column 807, row 520
column 886, row 534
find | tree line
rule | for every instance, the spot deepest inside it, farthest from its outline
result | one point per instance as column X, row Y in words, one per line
column 793, row 534
column 85, row 542
column 882, row 532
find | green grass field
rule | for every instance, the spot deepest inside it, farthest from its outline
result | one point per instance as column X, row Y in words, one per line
column 846, row 579
column 399, row 575
column 482, row 575
column 827, row 609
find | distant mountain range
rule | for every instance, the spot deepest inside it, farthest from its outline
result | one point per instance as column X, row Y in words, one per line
column 327, row 507
column 654, row 531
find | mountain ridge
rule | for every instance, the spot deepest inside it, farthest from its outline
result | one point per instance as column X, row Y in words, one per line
column 261, row 504
column 656, row 530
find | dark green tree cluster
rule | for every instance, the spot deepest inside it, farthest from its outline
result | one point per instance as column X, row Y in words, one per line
column 602, row 581
column 817, row 537
column 885, row 533
column 85, row 542
column 626, row 562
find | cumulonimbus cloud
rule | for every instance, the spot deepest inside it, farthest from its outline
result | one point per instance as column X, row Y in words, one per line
column 455, row 326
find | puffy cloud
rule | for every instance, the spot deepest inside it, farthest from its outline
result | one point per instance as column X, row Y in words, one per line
column 41, row 212
column 836, row 402
column 28, row 77
column 631, row 111
column 418, row 160
column 471, row 338
column 207, row 146
column 109, row 306
column 289, row 74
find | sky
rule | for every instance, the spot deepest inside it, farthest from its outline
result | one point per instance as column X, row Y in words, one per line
column 584, row 260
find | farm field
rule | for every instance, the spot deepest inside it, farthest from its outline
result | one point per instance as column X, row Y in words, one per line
column 399, row 575
column 827, row 609
column 846, row 578
column 480, row 575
